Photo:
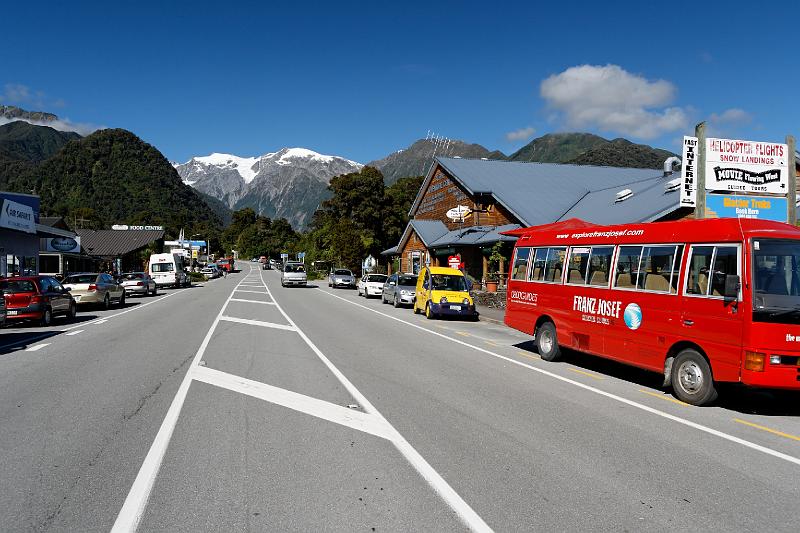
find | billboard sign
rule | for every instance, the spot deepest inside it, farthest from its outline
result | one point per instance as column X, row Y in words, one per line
column 63, row 244
column 689, row 172
column 17, row 216
column 746, row 166
column 738, row 206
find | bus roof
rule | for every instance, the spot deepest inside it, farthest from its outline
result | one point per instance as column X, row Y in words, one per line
column 570, row 232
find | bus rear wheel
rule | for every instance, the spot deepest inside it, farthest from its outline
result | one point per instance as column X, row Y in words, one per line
column 547, row 342
column 691, row 378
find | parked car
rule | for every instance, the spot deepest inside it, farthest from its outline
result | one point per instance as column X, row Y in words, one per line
column 341, row 277
column 94, row 288
column 371, row 285
column 226, row 263
column 293, row 274
column 138, row 283
column 2, row 311
column 37, row 298
column 211, row 271
column 443, row 291
column 399, row 289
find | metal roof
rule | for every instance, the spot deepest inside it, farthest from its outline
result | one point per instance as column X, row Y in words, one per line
column 472, row 235
column 540, row 193
column 112, row 243
column 390, row 251
column 427, row 230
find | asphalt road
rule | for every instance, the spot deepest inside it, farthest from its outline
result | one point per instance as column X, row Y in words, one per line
column 241, row 405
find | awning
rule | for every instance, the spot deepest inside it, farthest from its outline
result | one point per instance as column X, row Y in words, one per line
column 49, row 231
column 476, row 236
column 390, row 251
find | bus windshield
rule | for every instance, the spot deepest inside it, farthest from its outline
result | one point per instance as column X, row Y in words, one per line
column 776, row 276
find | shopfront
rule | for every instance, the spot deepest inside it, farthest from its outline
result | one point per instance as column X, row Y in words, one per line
column 19, row 243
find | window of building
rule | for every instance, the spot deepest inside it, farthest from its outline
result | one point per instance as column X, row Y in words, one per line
column 520, row 267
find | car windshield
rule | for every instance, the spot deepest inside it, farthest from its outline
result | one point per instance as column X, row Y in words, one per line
column 407, row 280
column 342, row 272
column 294, row 268
column 81, row 278
column 133, row 275
column 776, row 279
column 447, row 282
column 162, row 267
column 377, row 278
column 13, row 286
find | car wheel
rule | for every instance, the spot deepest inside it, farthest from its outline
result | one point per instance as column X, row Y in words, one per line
column 396, row 302
column 47, row 317
column 416, row 311
column 122, row 300
column 691, row 378
column 383, row 299
column 107, row 302
column 547, row 342
column 73, row 311
column 429, row 312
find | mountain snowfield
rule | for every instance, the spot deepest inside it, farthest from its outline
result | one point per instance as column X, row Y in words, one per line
column 289, row 183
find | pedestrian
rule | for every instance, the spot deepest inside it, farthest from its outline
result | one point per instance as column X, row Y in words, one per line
column 224, row 272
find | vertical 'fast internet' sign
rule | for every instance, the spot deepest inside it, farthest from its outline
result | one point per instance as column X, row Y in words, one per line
column 689, row 172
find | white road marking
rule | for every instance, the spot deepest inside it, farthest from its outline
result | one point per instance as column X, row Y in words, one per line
column 101, row 321
column 437, row 483
column 637, row 405
column 245, row 290
column 257, row 323
column 71, row 333
column 140, row 306
column 37, row 347
column 131, row 513
column 251, row 301
column 365, row 422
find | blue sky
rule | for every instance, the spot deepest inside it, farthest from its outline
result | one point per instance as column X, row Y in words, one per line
column 363, row 79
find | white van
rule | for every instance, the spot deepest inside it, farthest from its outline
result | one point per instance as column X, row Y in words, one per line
column 167, row 270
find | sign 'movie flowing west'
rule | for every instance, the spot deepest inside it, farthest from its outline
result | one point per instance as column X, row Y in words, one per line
column 747, row 166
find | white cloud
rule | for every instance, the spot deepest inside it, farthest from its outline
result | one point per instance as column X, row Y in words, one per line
column 59, row 124
column 731, row 116
column 522, row 134
column 611, row 99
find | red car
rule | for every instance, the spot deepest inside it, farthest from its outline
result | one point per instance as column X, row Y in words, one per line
column 38, row 298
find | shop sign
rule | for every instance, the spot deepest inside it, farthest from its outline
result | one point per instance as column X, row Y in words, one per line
column 738, row 206
column 458, row 213
column 17, row 216
column 747, row 166
column 63, row 244
column 689, row 172
column 125, row 227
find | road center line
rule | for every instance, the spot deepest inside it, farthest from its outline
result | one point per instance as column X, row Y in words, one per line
column 631, row 403
column 437, row 483
column 368, row 423
column 37, row 347
column 245, row 290
column 131, row 513
column 71, row 333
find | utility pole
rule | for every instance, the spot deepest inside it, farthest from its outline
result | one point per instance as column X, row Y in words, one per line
column 700, row 133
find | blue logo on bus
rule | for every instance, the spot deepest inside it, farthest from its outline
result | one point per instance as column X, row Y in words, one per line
column 633, row 316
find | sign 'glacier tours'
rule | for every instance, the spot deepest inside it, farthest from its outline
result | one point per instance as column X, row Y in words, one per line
column 747, row 166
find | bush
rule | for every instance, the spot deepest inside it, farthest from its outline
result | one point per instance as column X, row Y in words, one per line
column 196, row 276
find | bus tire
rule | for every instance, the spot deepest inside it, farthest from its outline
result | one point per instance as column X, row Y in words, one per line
column 547, row 342
column 691, row 378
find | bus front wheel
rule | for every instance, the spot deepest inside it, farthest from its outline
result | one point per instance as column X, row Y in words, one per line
column 547, row 342
column 692, row 381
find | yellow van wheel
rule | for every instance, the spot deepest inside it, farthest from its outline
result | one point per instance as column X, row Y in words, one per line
column 428, row 312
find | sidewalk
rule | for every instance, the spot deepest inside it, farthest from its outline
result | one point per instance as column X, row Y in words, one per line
column 491, row 314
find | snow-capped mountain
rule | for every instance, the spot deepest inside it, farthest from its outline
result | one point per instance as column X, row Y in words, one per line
column 289, row 183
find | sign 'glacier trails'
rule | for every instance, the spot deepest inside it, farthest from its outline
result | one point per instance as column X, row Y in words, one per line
column 747, row 166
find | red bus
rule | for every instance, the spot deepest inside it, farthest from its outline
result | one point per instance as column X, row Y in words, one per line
column 700, row 301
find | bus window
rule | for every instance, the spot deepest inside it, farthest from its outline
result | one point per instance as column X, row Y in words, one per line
column 520, row 268
column 539, row 261
column 627, row 274
column 725, row 262
column 656, row 268
column 578, row 265
column 600, row 265
column 555, row 264
column 699, row 266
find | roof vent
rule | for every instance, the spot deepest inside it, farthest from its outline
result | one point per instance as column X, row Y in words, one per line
column 670, row 163
column 484, row 158
column 456, row 157
column 623, row 195
column 673, row 185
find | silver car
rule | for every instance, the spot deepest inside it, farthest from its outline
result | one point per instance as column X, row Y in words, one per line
column 399, row 289
column 341, row 277
column 138, row 283
column 293, row 274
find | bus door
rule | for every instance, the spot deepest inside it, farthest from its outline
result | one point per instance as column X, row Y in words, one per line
column 591, row 304
column 707, row 317
column 646, row 280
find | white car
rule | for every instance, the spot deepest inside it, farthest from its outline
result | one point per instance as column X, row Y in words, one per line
column 211, row 271
column 371, row 285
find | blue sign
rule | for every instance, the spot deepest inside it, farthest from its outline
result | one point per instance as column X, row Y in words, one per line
column 739, row 206
column 633, row 316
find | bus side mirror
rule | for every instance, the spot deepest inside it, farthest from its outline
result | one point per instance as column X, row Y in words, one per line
column 731, row 286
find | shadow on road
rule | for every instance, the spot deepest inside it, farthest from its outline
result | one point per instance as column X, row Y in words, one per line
column 11, row 341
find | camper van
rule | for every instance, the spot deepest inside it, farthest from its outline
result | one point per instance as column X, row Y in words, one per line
column 167, row 270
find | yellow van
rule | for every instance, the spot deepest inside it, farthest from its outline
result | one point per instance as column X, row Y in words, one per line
column 443, row 291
